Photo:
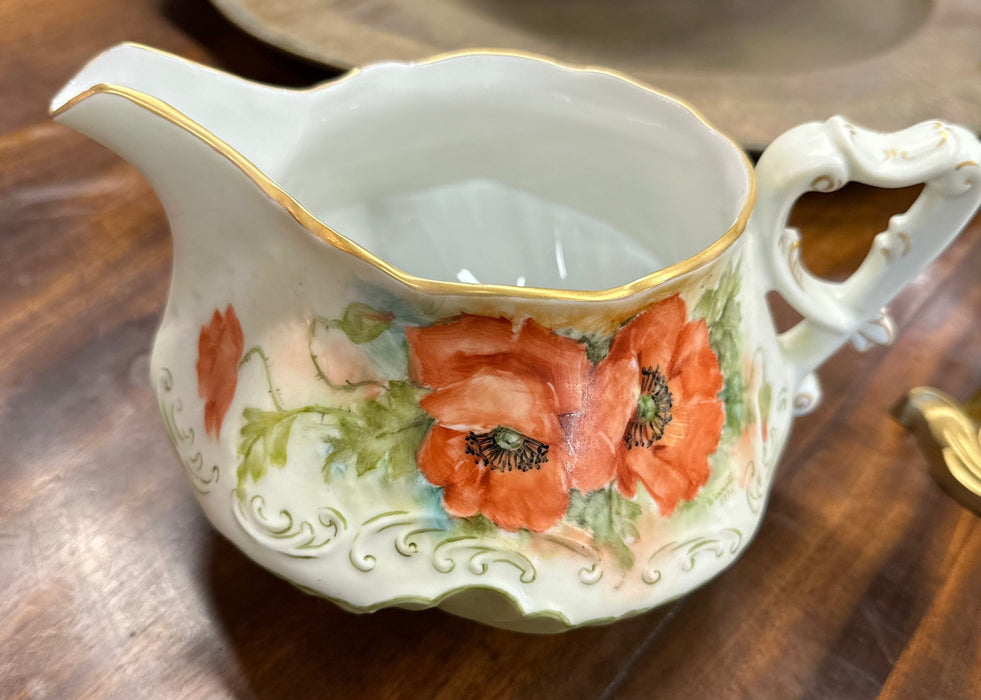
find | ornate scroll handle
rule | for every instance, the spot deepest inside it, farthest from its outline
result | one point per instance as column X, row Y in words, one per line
column 823, row 157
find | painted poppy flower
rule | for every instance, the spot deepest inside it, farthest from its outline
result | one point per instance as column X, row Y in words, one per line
column 653, row 412
column 219, row 351
column 498, row 446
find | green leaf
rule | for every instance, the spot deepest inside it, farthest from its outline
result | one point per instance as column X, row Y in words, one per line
column 476, row 526
column 252, row 465
column 279, row 436
column 597, row 346
column 362, row 323
column 258, row 421
column 265, row 436
column 351, row 433
column 713, row 302
column 370, row 456
column 707, row 307
column 385, row 431
column 401, row 401
column 735, row 401
column 611, row 518
column 402, row 454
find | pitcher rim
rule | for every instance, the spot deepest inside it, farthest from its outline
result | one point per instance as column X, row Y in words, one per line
column 426, row 285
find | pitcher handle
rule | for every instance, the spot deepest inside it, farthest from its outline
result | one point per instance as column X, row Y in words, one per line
column 824, row 156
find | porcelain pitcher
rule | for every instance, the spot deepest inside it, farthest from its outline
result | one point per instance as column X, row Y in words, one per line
column 489, row 332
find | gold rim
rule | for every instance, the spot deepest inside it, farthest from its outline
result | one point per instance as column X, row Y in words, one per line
column 421, row 284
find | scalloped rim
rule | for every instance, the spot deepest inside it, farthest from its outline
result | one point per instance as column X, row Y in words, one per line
column 421, row 284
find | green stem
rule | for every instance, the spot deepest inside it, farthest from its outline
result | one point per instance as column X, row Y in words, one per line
column 417, row 423
column 284, row 415
column 610, row 496
column 257, row 350
column 318, row 410
column 321, row 375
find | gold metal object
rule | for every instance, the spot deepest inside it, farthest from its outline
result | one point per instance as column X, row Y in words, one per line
column 950, row 436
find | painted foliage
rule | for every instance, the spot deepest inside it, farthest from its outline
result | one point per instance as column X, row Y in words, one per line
column 512, row 425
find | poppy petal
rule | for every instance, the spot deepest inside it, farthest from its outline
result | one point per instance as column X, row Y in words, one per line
column 652, row 334
column 676, row 466
column 676, row 432
column 705, row 421
column 442, row 458
column 675, row 473
column 448, row 352
column 560, row 360
column 491, row 398
column 535, row 499
column 666, row 484
column 612, row 402
column 595, row 463
column 694, row 431
column 220, row 346
column 463, row 499
column 626, row 476
column 694, row 364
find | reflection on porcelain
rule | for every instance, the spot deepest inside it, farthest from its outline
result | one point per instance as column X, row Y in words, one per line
column 489, row 332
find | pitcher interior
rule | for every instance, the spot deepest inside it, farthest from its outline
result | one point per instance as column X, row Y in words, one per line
column 509, row 170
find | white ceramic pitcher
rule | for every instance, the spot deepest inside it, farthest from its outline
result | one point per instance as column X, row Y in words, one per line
column 489, row 332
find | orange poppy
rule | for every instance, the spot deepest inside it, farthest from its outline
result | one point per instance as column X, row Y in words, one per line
column 219, row 351
column 498, row 446
column 653, row 412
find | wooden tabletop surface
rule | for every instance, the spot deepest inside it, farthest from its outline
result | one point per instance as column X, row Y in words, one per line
column 864, row 580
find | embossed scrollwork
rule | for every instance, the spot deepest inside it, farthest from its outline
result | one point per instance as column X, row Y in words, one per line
column 683, row 555
column 756, row 486
column 481, row 557
column 826, row 183
column 202, row 478
column 880, row 330
column 304, row 539
column 588, row 574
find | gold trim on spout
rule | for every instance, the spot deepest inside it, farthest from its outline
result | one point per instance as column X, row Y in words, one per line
column 429, row 286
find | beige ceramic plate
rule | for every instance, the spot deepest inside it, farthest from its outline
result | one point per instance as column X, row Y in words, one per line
column 753, row 67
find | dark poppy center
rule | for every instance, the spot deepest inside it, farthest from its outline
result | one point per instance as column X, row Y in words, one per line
column 653, row 412
column 505, row 449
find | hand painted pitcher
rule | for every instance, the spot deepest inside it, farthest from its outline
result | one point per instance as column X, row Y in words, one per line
column 488, row 332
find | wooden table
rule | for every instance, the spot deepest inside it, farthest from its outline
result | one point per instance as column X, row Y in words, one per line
column 864, row 580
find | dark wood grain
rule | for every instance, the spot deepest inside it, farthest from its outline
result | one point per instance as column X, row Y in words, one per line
column 863, row 580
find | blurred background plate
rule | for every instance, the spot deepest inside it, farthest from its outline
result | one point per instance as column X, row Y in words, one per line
column 754, row 67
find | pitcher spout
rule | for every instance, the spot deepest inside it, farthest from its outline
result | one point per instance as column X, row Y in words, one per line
column 131, row 97
column 131, row 67
column 193, row 132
